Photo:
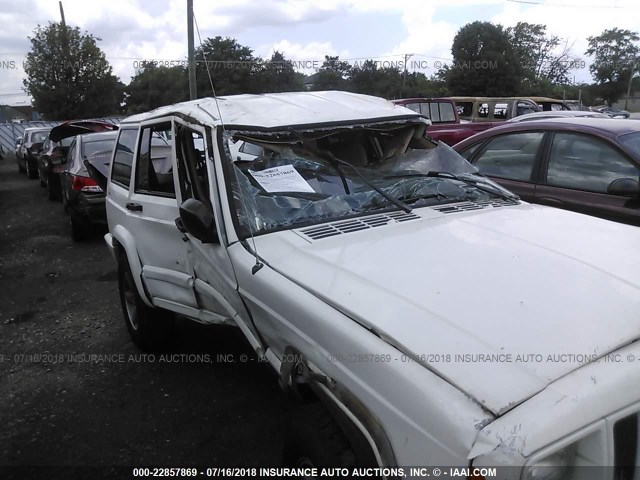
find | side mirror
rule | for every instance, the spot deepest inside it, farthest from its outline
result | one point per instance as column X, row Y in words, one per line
column 624, row 187
column 198, row 220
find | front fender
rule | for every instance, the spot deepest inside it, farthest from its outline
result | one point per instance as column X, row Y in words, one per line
column 128, row 245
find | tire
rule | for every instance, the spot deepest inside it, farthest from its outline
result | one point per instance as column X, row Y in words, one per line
column 78, row 231
column 314, row 439
column 151, row 329
column 50, row 194
column 31, row 174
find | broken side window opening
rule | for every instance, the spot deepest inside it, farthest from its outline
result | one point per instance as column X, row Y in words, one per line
column 293, row 182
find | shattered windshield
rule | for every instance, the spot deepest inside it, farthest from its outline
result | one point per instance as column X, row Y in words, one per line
column 304, row 179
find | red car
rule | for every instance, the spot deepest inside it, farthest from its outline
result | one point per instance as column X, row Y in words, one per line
column 51, row 170
column 445, row 121
column 588, row 165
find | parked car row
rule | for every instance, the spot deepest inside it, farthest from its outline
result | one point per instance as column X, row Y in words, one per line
column 391, row 281
column 58, row 157
column 454, row 119
column 28, row 149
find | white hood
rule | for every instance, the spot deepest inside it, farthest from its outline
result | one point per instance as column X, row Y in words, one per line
column 520, row 280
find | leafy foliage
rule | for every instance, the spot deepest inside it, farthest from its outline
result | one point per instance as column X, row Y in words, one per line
column 544, row 59
column 382, row 82
column 484, row 62
column 68, row 76
column 231, row 66
column 154, row 86
column 277, row 75
column 615, row 60
column 332, row 75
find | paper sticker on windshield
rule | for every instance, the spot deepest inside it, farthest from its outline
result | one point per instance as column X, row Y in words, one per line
column 281, row 179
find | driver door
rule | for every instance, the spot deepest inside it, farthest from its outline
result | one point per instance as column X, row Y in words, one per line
column 215, row 282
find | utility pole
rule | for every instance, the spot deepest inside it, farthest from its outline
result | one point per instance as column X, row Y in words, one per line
column 580, row 97
column 407, row 56
column 66, row 64
column 633, row 70
column 191, row 52
column 64, row 24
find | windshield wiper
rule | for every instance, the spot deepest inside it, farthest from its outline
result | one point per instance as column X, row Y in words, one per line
column 469, row 181
column 333, row 159
column 426, row 196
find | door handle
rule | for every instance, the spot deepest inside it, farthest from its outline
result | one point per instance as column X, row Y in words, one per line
column 134, row 207
column 180, row 226
column 550, row 201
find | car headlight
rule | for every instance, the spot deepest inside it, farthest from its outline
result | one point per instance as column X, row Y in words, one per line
column 557, row 465
column 568, row 459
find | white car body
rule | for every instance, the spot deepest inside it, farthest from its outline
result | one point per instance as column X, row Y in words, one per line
column 423, row 289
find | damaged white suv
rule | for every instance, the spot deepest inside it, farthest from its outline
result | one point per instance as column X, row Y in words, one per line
column 425, row 315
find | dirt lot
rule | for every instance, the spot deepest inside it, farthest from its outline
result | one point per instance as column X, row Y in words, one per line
column 61, row 406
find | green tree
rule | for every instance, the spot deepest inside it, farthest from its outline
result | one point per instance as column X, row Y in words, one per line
column 545, row 59
column 277, row 75
column 154, row 86
column 333, row 74
column 484, row 62
column 417, row 84
column 370, row 79
column 68, row 76
column 232, row 67
column 615, row 61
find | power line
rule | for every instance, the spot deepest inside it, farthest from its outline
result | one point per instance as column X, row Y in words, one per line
column 569, row 5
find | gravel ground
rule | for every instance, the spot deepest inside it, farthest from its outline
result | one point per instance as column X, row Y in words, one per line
column 59, row 406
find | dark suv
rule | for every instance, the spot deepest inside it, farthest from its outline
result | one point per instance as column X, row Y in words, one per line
column 51, row 162
column 30, row 147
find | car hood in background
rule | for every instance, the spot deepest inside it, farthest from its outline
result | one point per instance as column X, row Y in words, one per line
column 498, row 302
column 79, row 127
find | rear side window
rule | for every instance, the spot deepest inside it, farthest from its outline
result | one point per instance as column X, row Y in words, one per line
column 445, row 112
column 413, row 106
column 483, row 110
column 632, row 142
column 524, row 108
column 465, row 109
column 154, row 167
column 500, row 111
column 123, row 159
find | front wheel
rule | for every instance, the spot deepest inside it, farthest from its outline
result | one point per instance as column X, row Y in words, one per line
column 31, row 172
column 150, row 328
column 50, row 193
column 314, row 439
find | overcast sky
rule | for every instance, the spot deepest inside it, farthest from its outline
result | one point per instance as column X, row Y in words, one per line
column 136, row 30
